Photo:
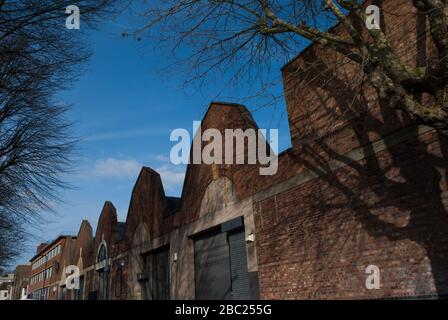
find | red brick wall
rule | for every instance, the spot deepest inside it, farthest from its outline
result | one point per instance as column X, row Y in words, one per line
column 198, row 176
column 107, row 227
column 316, row 240
column 21, row 280
column 147, row 206
column 84, row 243
column 57, row 262
column 322, row 89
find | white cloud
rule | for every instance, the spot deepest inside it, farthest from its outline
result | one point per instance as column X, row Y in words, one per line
column 172, row 177
column 122, row 214
column 135, row 133
column 117, row 168
column 161, row 158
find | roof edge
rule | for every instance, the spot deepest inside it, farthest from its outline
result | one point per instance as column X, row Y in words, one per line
column 52, row 243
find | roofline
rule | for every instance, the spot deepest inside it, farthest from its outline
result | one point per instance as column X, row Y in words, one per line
column 220, row 103
column 51, row 244
column 308, row 47
column 172, row 197
column 226, row 103
column 304, row 50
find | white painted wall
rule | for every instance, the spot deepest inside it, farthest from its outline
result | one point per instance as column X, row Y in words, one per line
column 4, row 295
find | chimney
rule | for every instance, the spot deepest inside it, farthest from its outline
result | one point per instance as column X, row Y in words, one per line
column 40, row 247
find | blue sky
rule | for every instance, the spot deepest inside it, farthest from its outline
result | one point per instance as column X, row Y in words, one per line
column 124, row 111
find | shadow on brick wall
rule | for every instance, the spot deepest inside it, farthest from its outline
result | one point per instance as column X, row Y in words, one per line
column 397, row 193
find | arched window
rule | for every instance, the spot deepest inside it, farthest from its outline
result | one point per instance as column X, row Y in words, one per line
column 103, row 273
column 102, row 254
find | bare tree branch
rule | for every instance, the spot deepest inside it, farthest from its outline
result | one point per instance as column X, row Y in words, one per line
column 38, row 57
column 286, row 26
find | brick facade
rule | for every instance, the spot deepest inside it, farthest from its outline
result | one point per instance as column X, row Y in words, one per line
column 21, row 281
column 360, row 186
column 48, row 267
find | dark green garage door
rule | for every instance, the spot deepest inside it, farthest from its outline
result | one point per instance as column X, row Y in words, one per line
column 221, row 266
column 161, row 275
column 212, row 268
column 238, row 265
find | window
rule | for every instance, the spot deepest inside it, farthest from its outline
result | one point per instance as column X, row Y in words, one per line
column 103, row 273
column 40, row 294
column 47, row 273
column 102, row 254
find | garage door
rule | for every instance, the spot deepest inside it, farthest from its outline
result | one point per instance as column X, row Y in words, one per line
column 212, row 268
column 221, row 266
column 161, row 275
column 238, row 266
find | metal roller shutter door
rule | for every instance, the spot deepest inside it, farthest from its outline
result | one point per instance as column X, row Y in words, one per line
column 238, row 265
column 161, row 275
column 212, row 268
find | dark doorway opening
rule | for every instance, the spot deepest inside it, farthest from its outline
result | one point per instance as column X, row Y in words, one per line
column 221, row 271
column 156, row 282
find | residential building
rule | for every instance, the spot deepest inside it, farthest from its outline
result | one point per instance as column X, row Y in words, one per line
column 47, row 266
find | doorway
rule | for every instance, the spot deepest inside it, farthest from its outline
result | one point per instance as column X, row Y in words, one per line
column 156, row 285
column 221, row 271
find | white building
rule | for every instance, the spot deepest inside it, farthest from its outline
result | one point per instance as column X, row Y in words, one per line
column 5, row 289
column 6, row 282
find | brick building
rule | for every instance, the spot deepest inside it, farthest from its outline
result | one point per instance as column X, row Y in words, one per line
column 21, row 282
column 360, row 186
column 48, row 266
